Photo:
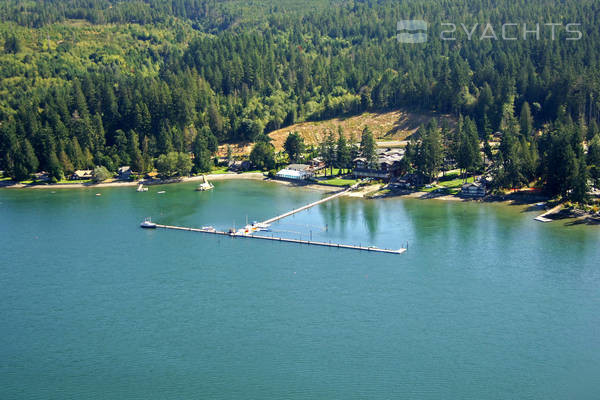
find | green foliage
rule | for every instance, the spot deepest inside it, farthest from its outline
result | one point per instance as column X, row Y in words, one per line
column 120, row 83
column 430, row 152
column 12, row 44
column 294, row 146
column 468, row 156
column 343, row 151
column 174, row 164
column 328, row 151
column 101, row 174
column 368, row 147
column 262, row 156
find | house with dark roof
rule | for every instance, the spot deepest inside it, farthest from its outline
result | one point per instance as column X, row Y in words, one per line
column 387, row 165
column 125, row 173
column 473, row 190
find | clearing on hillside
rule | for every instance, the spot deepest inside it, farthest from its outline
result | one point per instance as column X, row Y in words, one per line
column 393, row 126
column 390, row 128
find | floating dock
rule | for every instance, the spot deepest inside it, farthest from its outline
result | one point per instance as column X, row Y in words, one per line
column 279, row 239
column 543, row 218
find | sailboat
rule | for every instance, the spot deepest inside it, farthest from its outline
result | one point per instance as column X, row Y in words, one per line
column 206, row 185
column 141, row 188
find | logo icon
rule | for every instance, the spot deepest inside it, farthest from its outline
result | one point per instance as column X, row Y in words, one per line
column 412, row 31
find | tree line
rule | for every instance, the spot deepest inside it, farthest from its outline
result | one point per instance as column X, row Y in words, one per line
column 248, row 78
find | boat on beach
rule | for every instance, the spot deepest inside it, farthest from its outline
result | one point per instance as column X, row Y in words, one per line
column 205, row 185
column 141, row 188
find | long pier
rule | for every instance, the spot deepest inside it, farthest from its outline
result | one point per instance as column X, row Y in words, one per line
column 306, row 207
column 279, row 239
column 250, row 235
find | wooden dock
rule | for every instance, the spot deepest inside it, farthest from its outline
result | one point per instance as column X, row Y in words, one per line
column 306, row 207
column 279, row 239
column 543, row 218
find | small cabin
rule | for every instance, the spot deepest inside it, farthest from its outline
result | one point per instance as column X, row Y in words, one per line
column 124, row 173
column 473, row 190
column 239, row 166
column 82, row 174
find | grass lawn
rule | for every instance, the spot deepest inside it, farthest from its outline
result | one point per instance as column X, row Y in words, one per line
column 219, row 170
column 326, row 172
column 455, row 183
column 452, row 183
column 449, row 176
column 78, row 181
column 339, row 181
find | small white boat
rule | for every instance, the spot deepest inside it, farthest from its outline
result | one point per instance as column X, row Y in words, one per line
column 261, row 226
column 148, row 224
column 161, row 192
column 98, row 194
column 204, row 186
column 141, row 188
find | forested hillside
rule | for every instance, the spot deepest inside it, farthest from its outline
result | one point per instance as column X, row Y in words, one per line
column 102, row 82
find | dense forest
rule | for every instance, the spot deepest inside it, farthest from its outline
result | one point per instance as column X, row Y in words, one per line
column 111, row 83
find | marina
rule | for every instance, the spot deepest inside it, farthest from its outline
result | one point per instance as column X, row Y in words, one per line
column 249, row 230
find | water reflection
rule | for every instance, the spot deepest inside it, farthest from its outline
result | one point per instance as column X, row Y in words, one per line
column 370, row 212
column 343, row 214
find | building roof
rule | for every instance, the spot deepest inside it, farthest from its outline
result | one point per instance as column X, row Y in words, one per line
column 83, row 173
column 475, row 185
column 125, row 168
column 292, row 174
column 299, row 167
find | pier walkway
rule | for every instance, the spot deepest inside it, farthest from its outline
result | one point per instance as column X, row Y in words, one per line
column 279, row 239
column 306, row 207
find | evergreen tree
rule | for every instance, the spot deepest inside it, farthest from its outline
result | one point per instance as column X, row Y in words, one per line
column 12, row 45
column 430, row 152
column 342, row 151
column 328, row 152
column 262, row 156
column 469, row 155
column 202, row 155
column 580, row 183
column 526, row 120
column 368, row 147
column 294, row 146
column 593, row 159
column 135, row 155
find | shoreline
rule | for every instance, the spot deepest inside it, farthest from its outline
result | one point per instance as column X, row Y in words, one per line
column 514, row 199
column 258, row 176
column 212, row 177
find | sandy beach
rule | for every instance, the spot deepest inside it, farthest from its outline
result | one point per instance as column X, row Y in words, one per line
column 215, row 177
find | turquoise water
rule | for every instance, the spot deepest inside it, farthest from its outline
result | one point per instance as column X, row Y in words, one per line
column 486, row 303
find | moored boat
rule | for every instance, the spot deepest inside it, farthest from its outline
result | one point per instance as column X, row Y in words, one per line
column 206, row 185
column 148, row 224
